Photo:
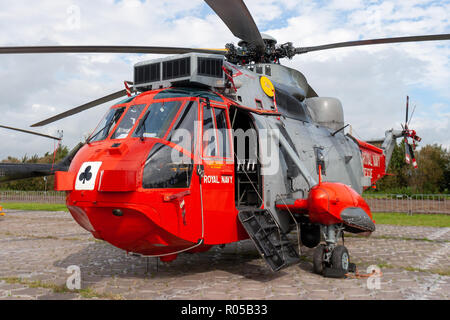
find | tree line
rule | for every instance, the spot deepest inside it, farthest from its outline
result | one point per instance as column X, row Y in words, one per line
column 431, row 176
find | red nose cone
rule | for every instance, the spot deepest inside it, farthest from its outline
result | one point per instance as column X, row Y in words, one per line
column 328, row 201
column 133, row 231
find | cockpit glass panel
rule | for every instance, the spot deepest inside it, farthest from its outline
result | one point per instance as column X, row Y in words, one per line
column 166, row 167
column 209, row 138
column 128, row 121
column 223, row 132
column 157, row 119
column 107, row 124
column 183, row 130
column 289, row 106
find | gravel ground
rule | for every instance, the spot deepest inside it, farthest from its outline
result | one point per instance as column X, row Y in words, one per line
column 36, row 248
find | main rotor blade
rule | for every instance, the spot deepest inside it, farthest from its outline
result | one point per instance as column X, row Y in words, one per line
column 235, row 15
column 31, row 132
column 16, row 171
column 434, row 37
column 105, row 49
column 81, row 108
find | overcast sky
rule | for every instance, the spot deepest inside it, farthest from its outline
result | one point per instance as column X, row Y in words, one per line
column 372, row 82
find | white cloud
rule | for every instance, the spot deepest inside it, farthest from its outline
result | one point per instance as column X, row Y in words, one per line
column 371, row 81
column 345, row 4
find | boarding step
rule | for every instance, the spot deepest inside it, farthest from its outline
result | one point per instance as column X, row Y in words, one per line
column 273, row 245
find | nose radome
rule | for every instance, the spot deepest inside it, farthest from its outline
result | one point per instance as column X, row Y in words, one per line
column 357, row 217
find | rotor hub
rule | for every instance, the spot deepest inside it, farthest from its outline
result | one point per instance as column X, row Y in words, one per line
column 246, row 52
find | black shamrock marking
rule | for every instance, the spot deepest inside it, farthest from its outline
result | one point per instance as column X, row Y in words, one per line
column 86, row 175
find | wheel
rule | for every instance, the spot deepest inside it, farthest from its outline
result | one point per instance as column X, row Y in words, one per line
column 318, row 262
column 340, row 258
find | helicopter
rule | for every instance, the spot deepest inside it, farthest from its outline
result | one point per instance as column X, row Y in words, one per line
column 214, row 146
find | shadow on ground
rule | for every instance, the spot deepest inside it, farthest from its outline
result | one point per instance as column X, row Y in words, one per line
column 100, row 260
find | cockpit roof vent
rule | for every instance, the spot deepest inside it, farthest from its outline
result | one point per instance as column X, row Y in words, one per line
column 195, row 68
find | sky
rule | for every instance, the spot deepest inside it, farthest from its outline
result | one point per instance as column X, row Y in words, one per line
column 372, row 82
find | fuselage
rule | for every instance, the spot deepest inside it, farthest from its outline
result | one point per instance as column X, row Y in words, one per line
column 163, row 172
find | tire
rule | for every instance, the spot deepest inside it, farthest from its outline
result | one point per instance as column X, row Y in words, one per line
column 318, row 263
column 340, row 259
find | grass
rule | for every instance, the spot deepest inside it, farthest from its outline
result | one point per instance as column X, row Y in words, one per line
column 350, row 235
column 34, row 206
column 417, row 219
column 87, row 293
column 442, row 272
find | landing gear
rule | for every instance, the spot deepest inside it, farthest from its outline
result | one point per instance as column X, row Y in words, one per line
column 319, row 259
column 330, row 259
column 340, row 258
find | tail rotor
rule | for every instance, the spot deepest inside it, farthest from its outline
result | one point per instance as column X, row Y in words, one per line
column 408, row 133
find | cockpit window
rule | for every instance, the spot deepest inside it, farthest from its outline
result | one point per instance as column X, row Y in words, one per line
column 157, row 119
column 183, row 130
column 216, row 135
column 107, row 124
column 128, row 121
column 166, row 168
column 289, row 106
column 209, row 134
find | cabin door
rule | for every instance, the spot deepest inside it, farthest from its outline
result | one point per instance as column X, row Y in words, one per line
column 217, row 183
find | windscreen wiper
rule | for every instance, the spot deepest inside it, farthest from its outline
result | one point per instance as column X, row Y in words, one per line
column 101, row 130
column 142, row 125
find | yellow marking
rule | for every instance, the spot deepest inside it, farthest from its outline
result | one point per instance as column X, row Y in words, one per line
column 215, row 49
column 267, row 86
column 215, row 164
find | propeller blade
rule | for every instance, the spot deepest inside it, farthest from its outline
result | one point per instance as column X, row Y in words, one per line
column 412, row 114
column 235, row 15
column 413, row 157
column 105, row 49
column 409, row 154
column 434, row 37
column 407, row 111
column 81, row 108
column 16, row 171
column 31, row 132
column 408, row 150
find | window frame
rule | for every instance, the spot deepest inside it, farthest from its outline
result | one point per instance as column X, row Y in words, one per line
column 169, row 128
column 219, row 155
column 121, row 119
column 112, row 130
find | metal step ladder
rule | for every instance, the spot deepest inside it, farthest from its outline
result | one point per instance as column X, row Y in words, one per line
column 273, row 245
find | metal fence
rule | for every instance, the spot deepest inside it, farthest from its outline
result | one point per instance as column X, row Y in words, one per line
column 32, row 196
column 417, row 203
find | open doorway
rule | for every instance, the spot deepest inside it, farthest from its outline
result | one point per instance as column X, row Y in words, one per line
column 248, row 181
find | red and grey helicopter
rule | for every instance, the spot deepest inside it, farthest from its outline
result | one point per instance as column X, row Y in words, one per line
column 215, row 146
